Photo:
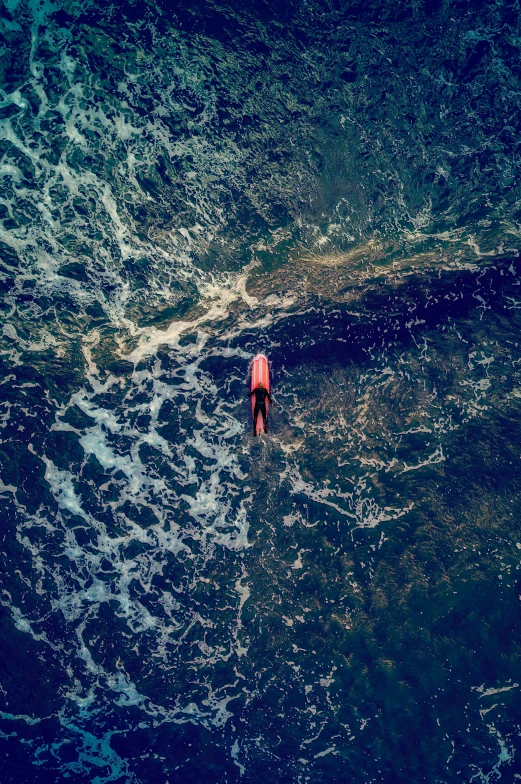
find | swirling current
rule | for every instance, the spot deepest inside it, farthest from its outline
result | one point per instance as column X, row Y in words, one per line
column 334, row 183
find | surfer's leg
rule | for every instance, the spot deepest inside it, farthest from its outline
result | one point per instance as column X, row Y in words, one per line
column 255, row 415
column 263, row 412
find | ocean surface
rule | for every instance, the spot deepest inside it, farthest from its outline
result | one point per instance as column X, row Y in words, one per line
column 336, row 184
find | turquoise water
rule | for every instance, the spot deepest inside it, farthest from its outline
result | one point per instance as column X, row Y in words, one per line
column 336, row 185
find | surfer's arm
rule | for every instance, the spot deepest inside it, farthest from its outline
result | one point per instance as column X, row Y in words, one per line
column 270, row 399
column 251, row 393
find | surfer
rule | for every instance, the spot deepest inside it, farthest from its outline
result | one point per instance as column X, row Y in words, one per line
column 261, row 393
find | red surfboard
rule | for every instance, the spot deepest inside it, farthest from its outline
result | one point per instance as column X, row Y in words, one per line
column 259, row 372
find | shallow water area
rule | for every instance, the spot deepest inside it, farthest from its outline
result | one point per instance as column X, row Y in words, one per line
column 335, row 185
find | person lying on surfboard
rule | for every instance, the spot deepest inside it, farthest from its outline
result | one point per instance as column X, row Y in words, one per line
column 261, row 393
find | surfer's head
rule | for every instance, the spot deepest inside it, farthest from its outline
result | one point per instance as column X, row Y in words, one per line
column 260, row 385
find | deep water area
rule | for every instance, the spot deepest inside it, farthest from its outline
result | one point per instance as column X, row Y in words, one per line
column 336, row 184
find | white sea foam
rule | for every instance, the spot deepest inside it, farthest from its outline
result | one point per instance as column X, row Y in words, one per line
column 150, row 504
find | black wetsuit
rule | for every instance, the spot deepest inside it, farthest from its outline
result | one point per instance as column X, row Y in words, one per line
column 260, row 404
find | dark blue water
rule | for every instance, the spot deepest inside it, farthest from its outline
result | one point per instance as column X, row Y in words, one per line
column 335, row 184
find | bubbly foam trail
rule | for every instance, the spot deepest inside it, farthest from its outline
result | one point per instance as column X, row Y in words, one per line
column 144, row 517
column 193, row 489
